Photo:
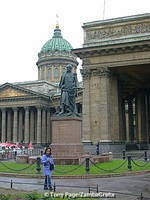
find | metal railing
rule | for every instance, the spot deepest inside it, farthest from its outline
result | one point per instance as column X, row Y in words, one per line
column 90, row 189
column 127, row 160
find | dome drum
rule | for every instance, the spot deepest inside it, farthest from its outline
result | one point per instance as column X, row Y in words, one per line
column 54, row 56
column 52, row 53
column 61, row 60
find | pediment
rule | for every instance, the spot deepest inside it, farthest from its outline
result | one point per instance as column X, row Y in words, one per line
column 8, row 90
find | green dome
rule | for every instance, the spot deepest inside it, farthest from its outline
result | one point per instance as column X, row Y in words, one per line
column 57, row 42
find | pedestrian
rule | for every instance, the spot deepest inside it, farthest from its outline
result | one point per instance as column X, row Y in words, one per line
column 48, row 167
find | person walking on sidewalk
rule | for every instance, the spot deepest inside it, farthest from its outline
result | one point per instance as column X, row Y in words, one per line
column 48, row 167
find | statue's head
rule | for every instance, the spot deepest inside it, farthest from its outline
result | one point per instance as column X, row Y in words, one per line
column 69, row 67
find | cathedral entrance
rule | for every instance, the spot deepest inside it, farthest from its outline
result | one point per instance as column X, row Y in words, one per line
column 116, row 71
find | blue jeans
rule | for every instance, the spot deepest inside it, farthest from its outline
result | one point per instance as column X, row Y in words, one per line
column 47, row 183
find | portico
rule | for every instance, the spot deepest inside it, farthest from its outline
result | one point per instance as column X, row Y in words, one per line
column 116, row 71
column 24, row 116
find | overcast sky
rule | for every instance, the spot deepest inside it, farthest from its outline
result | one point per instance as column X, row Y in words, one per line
column 25, row 26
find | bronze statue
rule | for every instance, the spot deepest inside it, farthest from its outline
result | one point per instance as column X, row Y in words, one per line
column 68, row 86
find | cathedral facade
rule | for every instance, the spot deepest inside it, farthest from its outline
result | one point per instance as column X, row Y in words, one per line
column 116, row 81
column 26, row 107
column 115, row 93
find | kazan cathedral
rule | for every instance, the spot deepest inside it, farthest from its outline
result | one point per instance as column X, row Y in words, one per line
column 115, row 93
column 26, row 107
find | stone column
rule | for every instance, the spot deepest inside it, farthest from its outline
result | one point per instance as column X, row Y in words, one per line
column 104, row 105
column 3, row 124
column 39, row 70
column 106, row 109
column 148, row 102
column 111, row 95
column 39, row 136
column 48, row 131
column 127, row 122
column 15, row 123
column 100, row 105
column 45, row 73
column 95, row 107
column 20, row 126
column 131, row 119
column 122, row 116
column 123, row 121
column 140, row 118
column 108, row 106
column 42, row 72
column 147, row 112
column 35, row 126
column 44, row 125
column 32, row 126
column 86, row 126
column 27, row 131
column 9, row 127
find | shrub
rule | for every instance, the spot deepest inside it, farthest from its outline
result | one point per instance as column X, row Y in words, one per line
column 4, row 196
column 32, row 196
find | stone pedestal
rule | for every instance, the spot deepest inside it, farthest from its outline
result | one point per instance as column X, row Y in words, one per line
column 66, row 136
column 22, row 158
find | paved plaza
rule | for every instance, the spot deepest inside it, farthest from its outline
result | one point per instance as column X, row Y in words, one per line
column 127, row 184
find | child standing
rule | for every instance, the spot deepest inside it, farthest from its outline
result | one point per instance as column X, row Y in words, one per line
column 47, row 160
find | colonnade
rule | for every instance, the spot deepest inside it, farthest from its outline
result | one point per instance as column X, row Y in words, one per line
column 137, row 117
column 109, row 115
column 25, row 124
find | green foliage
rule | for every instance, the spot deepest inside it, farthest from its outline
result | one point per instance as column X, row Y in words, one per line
column 4, row 196
column 74, row 169
column 18, row 166
column 32, row 196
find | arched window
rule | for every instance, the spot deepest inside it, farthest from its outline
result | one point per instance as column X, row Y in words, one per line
column 63, row 69
column 49, row 74
column 56, row 72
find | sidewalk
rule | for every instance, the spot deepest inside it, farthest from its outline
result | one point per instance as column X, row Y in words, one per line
column 127, row 184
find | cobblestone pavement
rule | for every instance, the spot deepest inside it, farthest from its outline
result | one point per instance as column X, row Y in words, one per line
column 128, row 184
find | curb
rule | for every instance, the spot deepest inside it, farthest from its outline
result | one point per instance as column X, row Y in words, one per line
column 85, row 176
